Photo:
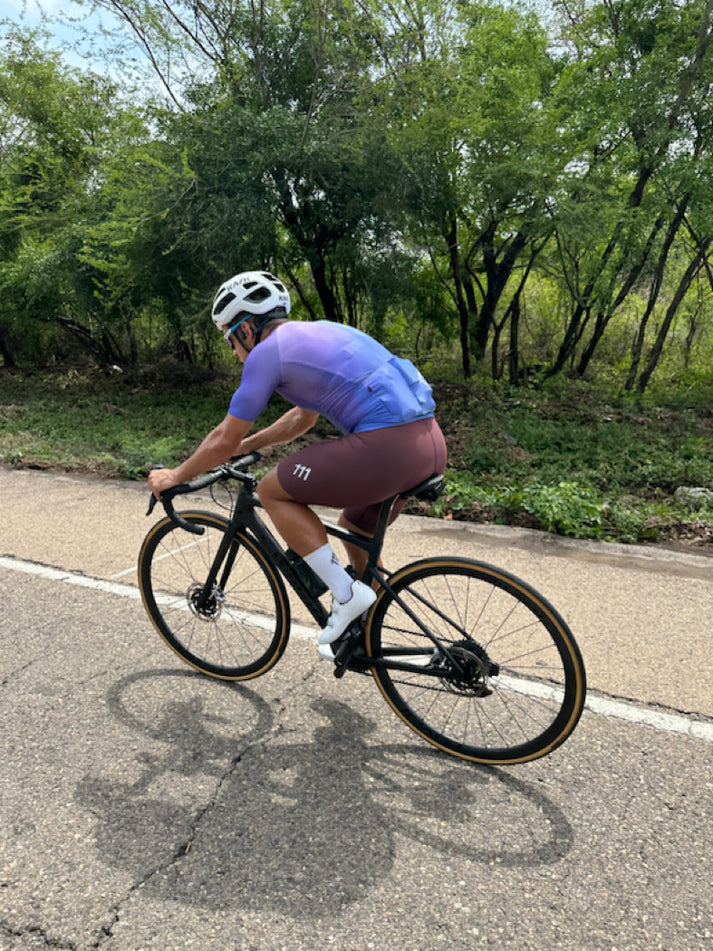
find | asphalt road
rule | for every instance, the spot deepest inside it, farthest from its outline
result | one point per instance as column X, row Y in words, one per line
column 143, row 806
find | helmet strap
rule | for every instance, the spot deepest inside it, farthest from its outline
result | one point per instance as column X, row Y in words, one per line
column 261, row 322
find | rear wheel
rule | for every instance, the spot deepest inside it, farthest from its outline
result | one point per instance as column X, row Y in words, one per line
column 238, row 629
column 505, row 684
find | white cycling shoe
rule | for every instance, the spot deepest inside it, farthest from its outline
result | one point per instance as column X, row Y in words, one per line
column 344, row 613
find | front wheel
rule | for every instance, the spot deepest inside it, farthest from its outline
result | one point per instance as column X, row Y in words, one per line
column 476, row 661
column 236, row 630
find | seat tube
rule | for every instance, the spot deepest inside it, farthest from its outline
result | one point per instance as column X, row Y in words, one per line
column 380, row 531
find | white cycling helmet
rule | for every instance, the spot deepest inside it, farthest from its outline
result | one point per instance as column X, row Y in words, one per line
column 252, row 292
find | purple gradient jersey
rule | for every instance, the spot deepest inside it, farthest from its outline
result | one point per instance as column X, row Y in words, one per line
column 334, row 370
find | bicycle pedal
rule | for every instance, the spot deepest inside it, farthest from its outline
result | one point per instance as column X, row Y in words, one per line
column 344, row 648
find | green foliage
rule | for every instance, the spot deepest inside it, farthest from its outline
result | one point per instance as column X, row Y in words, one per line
column 83, row 420
column 575, row 460
column 120, row 424
column 436, row 175
column 564, row 432
column 56, row 129
column 568, row 509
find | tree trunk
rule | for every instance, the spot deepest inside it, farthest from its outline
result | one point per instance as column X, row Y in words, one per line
column 573, row 334
column 330, row 304
column 498, row 273
column 657, row 349
column 451, row 236
column 638, row 346
column 6, row 350
column 514, row 355
column 603, row 318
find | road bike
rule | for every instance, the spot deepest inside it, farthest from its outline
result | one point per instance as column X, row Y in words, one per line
column 470, row 657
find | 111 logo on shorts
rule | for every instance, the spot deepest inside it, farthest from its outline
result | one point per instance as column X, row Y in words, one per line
column 302, row 472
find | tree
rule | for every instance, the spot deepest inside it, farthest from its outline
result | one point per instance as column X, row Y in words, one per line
column 640, row 75
column 271, row 109
column 408, row 164
column 475, row 138
column 53, row 126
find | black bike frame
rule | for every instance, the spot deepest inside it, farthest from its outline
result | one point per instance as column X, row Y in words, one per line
column 245, row 520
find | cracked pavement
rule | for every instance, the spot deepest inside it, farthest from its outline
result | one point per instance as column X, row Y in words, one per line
column 143, row 806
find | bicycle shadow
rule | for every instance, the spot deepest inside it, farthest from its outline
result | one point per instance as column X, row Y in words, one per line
column 222, row 806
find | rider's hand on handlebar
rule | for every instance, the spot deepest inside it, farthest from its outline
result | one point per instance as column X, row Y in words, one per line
column 162, row 479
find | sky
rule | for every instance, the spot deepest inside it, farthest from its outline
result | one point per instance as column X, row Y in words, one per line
column 55, row 16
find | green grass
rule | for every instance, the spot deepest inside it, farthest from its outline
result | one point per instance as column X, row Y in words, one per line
column 579, row 462
column 110, row 425
column 568, row 459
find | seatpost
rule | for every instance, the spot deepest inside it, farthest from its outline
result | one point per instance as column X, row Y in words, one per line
column 380, row 531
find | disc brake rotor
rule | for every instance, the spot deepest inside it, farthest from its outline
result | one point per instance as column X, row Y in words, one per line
column 205, row 608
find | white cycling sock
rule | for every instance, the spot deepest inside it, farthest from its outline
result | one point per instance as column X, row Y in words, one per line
column 325, row 564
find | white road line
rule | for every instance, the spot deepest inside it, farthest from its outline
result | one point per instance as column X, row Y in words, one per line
column 668, row 722
column 69, row 577
column 665, row 722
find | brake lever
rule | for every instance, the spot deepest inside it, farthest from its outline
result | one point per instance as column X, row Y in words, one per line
column 153, row 500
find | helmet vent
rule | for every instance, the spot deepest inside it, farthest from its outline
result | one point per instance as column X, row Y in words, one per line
column 262, row 293
column 223, row 303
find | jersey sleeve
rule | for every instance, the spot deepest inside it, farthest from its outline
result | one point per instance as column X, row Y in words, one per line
column 261, row 377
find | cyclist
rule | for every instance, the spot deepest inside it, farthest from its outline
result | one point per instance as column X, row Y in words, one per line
column 380, row 403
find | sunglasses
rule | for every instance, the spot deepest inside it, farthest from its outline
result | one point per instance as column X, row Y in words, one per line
column 231, row 330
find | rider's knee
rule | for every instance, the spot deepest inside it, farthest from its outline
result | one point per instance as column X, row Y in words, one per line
column 269, row 490
column 266, row 487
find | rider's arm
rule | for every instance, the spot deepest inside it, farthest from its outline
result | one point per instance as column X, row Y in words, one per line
column 292, row 424
column 217, row 447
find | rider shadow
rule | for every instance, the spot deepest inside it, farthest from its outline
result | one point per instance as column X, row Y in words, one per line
column 225, row 810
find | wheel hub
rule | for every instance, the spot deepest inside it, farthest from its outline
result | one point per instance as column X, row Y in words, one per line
column 476, row 669
column 207, row 608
